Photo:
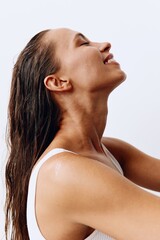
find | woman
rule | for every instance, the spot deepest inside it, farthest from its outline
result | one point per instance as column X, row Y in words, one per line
column 64, row 180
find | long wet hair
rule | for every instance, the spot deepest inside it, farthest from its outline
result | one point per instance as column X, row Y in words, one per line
column 33, row 121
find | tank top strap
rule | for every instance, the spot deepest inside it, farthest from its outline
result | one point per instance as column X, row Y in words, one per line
column 32, row 225
column 50, row 154
column 33, row 229
column 113, row 159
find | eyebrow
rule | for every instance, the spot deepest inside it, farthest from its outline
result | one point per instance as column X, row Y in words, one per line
column 79, row 35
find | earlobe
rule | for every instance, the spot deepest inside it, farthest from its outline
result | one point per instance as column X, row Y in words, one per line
column 56, row 84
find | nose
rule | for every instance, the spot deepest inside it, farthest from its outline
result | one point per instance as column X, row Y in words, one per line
column 105, row 46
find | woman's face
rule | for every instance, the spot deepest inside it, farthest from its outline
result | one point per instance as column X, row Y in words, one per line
column 85, row 63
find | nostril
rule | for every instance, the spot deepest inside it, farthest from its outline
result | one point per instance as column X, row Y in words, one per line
column 106, row 46
column 109, row 46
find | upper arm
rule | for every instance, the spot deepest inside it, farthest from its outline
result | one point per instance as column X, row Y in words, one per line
column 99, row 197
column 137, row 166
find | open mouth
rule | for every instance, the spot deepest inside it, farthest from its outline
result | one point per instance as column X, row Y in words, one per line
column 109, row 59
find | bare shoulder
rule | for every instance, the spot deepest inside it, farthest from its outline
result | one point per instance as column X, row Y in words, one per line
column 95, row 195
column 123, row 151
column 117, row 144
column 117, row 147
column 69, row 167
column 112, row 141
column 137, row 166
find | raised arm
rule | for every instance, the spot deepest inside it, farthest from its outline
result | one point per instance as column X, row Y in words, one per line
column 99, row 197
column 139, row 167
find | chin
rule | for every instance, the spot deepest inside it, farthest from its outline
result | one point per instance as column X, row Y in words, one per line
column 117, row 80
column 122, row 76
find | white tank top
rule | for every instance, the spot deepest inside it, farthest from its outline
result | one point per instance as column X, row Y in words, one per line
column 33, row 229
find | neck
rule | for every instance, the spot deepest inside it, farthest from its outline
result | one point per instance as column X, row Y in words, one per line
column 83, row 125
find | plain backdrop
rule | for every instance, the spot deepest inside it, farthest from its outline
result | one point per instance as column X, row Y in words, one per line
column 133, row 29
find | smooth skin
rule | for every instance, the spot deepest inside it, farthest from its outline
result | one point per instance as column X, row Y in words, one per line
column 82, row 191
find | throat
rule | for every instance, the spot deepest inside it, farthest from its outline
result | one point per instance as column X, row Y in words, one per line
column 82, row 128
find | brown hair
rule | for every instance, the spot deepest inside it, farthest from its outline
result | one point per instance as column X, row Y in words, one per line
column 33, row 119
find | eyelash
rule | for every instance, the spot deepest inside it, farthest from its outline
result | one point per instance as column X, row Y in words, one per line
column 84, row 43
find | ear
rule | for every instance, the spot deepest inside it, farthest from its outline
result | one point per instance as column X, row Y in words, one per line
column 53, row 83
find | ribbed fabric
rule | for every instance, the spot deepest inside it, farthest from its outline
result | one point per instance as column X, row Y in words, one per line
column 33, row 229
column 96, row 235
column 113, row 159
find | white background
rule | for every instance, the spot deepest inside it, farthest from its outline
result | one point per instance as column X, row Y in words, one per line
column 133, row 29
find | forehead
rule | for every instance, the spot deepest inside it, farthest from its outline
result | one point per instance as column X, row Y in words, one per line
column 61, row 36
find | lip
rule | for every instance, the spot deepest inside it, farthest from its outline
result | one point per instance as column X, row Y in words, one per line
column 109, row 56
column 113, row 62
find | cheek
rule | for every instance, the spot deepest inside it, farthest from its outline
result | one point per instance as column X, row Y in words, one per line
column 85, row 75
column 85, row 69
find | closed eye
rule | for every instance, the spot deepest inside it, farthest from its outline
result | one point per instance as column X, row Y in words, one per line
column 84, row 43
